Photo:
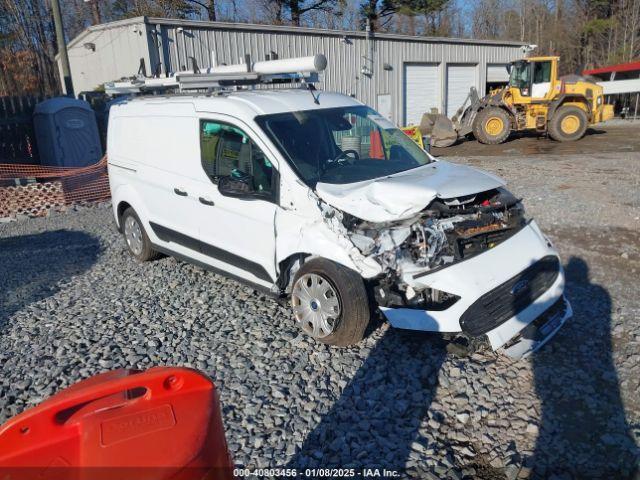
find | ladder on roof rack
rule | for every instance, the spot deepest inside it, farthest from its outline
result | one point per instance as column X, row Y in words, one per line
column 287, row 70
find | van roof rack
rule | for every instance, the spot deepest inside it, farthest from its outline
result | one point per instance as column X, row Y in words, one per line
column 286, row 70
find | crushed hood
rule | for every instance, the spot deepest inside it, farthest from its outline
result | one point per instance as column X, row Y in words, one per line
column 404, row 194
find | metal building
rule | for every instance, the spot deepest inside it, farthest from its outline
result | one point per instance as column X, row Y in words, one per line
column 401, row 76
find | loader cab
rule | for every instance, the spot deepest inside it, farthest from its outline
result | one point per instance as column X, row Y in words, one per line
column 533, row 78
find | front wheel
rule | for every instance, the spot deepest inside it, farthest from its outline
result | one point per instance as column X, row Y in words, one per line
column 568, row 123
column 330, row 302
column 492, row 126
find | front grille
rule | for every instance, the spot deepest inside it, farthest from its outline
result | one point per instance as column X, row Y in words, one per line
column 510, row 298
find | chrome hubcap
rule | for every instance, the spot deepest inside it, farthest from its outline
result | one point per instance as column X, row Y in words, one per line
column 316, row 306
column 133, row 235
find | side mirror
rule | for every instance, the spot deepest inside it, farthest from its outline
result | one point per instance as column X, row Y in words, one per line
column 238, row 185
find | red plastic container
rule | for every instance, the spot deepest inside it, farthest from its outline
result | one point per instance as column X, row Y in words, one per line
column 164, row 423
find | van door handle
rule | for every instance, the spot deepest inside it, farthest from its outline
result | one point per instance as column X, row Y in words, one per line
column 182, row 193
column 206, row 201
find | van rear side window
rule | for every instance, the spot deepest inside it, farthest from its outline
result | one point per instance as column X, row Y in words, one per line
column 226, row 150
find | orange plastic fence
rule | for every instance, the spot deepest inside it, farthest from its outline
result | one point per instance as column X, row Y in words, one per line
column 34, row 189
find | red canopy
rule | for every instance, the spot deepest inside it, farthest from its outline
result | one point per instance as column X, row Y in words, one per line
column 622, row 67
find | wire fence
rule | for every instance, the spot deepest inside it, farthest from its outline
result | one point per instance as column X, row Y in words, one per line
column 34, row 190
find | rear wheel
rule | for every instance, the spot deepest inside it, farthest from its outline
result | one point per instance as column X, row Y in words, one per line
column 136, row 238
column 330, row 302
column 492, row 126
column 568, row 123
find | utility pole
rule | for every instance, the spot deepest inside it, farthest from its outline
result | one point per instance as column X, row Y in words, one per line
column 95, row 11
column 62, row 47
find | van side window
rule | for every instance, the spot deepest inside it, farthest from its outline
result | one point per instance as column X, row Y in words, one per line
column 226, row 150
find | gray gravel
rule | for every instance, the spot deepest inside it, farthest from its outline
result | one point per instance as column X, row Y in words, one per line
column 73, row 303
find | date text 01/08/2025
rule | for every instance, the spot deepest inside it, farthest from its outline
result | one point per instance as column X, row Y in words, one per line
column 316, row 473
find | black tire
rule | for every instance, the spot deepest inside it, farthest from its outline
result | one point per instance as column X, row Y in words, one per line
column 568, row 124
column 492, row 126
column 350, row 326
column 146, row 252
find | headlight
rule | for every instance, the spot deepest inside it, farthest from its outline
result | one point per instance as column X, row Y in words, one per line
column 599, row 101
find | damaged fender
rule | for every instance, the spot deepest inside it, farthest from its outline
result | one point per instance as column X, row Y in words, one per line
column 298, row 234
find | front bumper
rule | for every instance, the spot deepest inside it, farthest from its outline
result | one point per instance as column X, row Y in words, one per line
column 540, row 331
column 479, row 275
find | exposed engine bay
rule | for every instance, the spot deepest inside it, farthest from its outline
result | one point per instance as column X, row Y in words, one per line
column 446, row 232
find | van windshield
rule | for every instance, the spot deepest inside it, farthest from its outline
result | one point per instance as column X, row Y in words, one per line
column 342, row 145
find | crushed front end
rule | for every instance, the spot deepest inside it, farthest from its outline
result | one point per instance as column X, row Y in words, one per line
column 472, row 264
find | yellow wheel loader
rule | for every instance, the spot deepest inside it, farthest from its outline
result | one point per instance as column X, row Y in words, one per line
column 535, row 99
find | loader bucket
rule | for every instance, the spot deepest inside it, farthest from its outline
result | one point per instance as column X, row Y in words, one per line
column 439, row 129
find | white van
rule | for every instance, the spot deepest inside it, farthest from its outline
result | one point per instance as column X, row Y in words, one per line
column 316, row 197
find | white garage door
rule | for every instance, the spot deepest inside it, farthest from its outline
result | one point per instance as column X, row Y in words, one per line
column 460, row 78
column 421, row 91
column 384, row 105
column 497, row 73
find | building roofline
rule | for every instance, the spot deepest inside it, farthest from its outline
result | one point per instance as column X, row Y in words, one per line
column 288, row 29
column 104, row 26
column 322, row 31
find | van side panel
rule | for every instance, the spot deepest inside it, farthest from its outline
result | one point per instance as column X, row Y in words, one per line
column 153, row 148
column 154, row 157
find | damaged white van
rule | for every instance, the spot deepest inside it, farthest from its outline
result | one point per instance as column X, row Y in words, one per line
column 316, row 197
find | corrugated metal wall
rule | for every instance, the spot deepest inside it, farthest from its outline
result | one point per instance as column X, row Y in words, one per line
column 346, row 58
column 173, row 42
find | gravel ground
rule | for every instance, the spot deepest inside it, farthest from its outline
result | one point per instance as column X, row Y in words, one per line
column 73, row 304
column 612, row 136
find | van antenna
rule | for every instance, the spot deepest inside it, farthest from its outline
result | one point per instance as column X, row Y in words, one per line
column 312, row 88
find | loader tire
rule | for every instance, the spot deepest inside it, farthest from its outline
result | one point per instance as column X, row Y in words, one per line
column 492, row 126
column 568, row 124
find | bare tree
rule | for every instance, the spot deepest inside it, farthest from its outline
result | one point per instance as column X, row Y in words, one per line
column 582, row 32
column 297, row 8
column 28, row 47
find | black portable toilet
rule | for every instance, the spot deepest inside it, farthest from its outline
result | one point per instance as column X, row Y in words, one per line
column 66, row 133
